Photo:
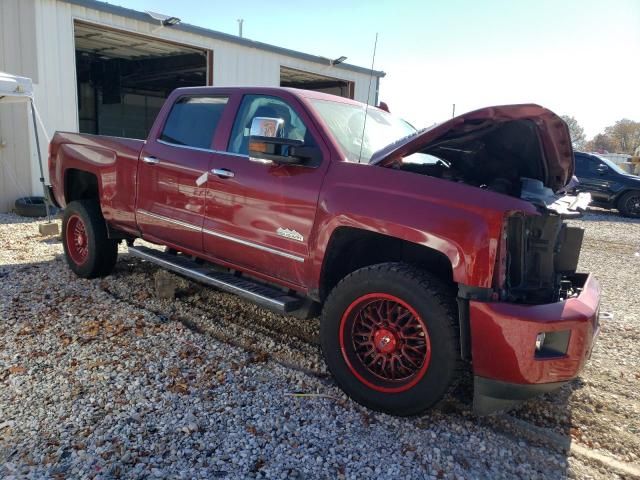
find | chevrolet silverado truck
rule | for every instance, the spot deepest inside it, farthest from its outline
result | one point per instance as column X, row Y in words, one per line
column 427, row 252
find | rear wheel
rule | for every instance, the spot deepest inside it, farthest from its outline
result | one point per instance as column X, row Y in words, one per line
column 389, row 337
column 629, row 204
column 89, row 251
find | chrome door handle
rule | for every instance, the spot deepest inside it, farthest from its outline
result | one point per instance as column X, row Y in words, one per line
column 223, row 173
column 150, row 160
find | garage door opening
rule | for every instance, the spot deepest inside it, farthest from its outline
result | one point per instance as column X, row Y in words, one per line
column 123, row 79
column 290, row 77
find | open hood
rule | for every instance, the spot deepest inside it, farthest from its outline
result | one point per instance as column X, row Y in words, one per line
column 527, row 138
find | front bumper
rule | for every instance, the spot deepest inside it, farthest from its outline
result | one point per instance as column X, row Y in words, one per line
column 503, row 338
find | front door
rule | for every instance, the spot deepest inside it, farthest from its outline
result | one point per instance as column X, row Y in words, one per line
column 260, row 215
column 595, row 177
column 172, row 173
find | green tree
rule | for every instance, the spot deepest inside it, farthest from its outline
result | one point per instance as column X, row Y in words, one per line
column 578, row 139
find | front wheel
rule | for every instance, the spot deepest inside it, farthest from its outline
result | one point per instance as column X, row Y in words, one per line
column 89, row 251
column 389, row 336
column 629, row 204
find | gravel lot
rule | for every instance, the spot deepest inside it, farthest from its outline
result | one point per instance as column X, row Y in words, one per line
column 100, row 379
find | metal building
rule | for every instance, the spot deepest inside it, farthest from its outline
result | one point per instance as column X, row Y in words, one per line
column 101, row 68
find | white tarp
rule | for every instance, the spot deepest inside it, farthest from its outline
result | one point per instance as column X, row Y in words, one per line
column 14, row 88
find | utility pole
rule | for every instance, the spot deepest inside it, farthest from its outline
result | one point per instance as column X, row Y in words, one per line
column 240, row 22
column 453, row 112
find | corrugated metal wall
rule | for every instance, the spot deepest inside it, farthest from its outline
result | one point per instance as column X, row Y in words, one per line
column 233, row 64
column 36, row 40
column 17, row 38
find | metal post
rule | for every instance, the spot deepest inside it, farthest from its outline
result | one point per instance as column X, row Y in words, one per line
column 44, row 187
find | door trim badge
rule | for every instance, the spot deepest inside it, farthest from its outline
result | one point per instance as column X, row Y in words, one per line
column 221, row 235
column 291, row 234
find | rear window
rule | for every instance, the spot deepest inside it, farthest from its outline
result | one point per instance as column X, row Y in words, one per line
column 193, row 120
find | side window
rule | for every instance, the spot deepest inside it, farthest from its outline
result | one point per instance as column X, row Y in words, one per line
column 264, row 106
column 192, row 121
column 593, row 166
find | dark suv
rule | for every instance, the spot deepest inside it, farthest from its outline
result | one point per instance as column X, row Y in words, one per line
column 609, row 185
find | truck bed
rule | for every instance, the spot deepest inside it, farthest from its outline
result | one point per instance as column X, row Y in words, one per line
column 123, row 145
column 112, row 161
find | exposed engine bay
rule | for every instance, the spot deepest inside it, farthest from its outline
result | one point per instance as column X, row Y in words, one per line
column 541, row 259
column 541, row 251
column 494, row 158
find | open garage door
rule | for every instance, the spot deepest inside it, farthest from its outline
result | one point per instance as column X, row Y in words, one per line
column 123, row 79
column 290, row 77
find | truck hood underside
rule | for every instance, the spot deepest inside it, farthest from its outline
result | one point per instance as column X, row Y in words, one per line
column 510, row 142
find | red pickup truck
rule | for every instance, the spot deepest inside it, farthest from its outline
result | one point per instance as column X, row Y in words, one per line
column 428, row 252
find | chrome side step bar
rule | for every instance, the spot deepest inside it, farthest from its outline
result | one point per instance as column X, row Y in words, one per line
column 268, row 297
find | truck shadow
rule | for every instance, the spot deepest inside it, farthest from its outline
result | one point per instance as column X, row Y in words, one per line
column 545, row 424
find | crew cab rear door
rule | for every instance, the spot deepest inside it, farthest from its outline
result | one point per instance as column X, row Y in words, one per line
column 259, row 215
column 172, row 171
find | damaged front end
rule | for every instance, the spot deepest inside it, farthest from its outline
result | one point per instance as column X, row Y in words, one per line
column 543, row 321
column 533, row 330
column 522, row 151
column 545, row 317
column 541, row 252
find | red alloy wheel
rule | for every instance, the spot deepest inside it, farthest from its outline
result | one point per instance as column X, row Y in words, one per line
column 384, row 342
column 77, row 240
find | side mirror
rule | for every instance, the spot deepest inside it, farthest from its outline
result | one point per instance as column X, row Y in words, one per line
column 267, row 127
column 602, row 168
column 266, row 143
column 277, row 150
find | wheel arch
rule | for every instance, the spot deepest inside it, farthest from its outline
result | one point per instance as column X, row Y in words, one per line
column 351, row 248
column 429, row 301
column 622, row 193
column 80, row 185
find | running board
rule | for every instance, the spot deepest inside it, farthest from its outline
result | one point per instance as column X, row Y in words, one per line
column 266, row 296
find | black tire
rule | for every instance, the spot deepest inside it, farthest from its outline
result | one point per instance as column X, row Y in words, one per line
column 629, row 204
column 95, row 254
column 32, row 207
column 403, row 286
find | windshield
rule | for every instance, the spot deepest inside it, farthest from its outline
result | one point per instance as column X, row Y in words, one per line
column 613, row 166
column 347, row 122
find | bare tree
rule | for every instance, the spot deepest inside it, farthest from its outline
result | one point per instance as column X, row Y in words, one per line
column 602, row 143
column 625, row 135
column 578, row 139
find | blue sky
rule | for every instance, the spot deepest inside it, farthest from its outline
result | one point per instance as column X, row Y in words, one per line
column 580, row 58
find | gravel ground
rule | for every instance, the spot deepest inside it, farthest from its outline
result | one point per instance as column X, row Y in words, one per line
column 101, row 379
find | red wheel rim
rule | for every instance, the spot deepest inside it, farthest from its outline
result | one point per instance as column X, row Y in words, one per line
column 384, row 342
column 77, row 240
